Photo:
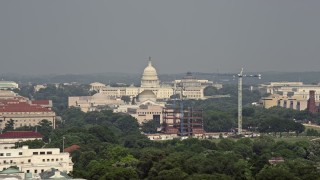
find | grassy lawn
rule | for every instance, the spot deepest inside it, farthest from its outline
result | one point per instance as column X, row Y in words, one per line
column 312, row 127
column 293, row 139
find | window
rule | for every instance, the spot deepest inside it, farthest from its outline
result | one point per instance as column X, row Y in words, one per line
column 42, row 170
column 8, row 154
column 29, row 160
column 49, row 152
column 35, row 171
column 57, row 159
column 48, row 160
column 28, row 171
column 1, row 154
column 42, row 152
column 43, row 160
column 35, row 153
column 52, row 160
column 20, row 153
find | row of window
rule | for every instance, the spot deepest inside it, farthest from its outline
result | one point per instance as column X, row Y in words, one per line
column 5, row 154
column 195, row 96
column 52, row 160
column 11, row 162
column 149, row 112
column 35, row 171
column 20, row 153
column 42, row 152
column 29, row 161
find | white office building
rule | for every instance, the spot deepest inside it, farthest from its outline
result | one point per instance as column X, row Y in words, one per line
column 35, row 161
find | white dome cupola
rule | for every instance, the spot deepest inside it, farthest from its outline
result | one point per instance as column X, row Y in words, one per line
column 149, row 77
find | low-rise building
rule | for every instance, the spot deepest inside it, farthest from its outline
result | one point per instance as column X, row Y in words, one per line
column 146, row 113
column 96, row 86
column 293, row 95
column 275, row 87
column 146, row 108
column 35, row 161
column 295, row 102
column 23, row 111
column 7, row 85
column 92, row 103
column 283, row 101
column 19, row 136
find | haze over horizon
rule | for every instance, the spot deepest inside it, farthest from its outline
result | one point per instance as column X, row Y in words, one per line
column 83, row 37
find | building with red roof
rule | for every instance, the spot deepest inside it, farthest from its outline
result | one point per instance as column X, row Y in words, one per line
column 16, row 136
column 71, row 148
column 25, row 112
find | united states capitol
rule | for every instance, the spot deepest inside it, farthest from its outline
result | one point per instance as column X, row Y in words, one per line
column 151, row 90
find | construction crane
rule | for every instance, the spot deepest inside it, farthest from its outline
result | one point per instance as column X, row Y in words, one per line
column 240, row 76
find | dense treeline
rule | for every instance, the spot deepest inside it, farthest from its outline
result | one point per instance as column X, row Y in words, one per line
column 112, row 147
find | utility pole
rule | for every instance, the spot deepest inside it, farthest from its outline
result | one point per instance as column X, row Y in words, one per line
column 63, row 143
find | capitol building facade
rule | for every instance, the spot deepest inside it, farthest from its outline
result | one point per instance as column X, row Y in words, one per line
column 189, row 87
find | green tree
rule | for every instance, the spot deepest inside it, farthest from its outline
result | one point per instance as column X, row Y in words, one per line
column 312, row 132
column 126, row 99
column 149, row 126
column 314, row 151
column 121, row 173
column 9, row 126
column 226, row 144
column 31, row 144
column 45, row 128
column 210, row 91
column 103, row 133
column 275, row 172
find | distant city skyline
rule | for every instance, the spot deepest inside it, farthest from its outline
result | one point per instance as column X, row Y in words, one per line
column 84, row 37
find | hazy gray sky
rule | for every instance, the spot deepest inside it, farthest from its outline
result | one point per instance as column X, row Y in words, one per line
column 76, row 36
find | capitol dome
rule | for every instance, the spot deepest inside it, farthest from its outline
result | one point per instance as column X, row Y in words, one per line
column 149, row 77
column 147, row 95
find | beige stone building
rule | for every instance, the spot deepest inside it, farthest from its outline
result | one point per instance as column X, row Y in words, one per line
column 146, row 113
column 23, row 111
column 146, row 108
column 94, row 102
column 293, row 95
column 290, row 89
column 96, row 86
column 293, row 102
